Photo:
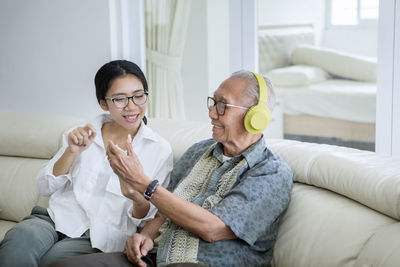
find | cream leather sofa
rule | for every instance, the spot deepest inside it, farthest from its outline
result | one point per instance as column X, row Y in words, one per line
column 345, row 206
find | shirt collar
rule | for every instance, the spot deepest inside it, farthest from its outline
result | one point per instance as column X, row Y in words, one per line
column 145, row 132
column 251, row 154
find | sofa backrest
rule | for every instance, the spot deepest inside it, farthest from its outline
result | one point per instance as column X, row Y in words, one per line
column 181, row 134
column 27, row 142
column 30, row 140
column 366, row 177
column 26, row 146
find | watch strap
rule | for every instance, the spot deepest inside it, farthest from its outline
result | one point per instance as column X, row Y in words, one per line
column 150, row 190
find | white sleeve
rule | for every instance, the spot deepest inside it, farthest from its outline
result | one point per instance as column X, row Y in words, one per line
column 163, row 176
column 47, row 182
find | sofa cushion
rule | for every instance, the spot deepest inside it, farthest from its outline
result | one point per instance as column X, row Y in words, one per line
column 320, row 228
column 33, row 135
column 18, row 188
column 382, row 249
column 4, row 227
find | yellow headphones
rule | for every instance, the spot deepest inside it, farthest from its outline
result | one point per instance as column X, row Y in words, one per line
column 258, row 116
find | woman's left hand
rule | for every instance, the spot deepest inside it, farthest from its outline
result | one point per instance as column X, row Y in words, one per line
column 127, row 166
column 128, row 191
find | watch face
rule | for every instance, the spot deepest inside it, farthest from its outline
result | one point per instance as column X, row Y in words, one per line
column 150, row 189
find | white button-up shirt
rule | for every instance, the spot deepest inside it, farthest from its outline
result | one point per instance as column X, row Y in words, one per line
column 89, row 196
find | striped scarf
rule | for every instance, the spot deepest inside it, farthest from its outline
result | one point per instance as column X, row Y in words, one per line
column 175, row 244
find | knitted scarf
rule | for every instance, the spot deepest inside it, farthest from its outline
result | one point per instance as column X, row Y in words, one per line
column 176, row 244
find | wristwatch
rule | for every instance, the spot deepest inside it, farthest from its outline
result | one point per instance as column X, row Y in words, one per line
column 150, row 190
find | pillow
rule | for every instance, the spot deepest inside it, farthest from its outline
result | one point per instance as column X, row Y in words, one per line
column 298, row 75
column 335, row 62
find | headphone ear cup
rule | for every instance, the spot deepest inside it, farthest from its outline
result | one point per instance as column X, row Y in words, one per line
column 257, row 119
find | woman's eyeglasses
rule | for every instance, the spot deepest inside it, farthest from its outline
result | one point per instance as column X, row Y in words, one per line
column 121, row 102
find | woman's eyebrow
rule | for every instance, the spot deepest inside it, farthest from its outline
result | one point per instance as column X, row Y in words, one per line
column 124, row 94
column 138, row 90
column 118, row 94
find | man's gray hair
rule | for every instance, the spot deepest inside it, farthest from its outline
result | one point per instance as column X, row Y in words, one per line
column 253, row 92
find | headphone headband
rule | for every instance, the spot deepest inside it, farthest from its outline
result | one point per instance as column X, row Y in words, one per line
column 259, row 115
column 263, row 89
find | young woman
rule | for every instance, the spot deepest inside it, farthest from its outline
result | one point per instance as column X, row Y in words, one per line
column 90, row 208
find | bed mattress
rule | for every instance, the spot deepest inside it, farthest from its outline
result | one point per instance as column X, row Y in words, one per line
column 334, row 98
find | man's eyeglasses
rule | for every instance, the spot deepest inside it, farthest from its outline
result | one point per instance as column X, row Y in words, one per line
column 220, row 106
column 121, row 102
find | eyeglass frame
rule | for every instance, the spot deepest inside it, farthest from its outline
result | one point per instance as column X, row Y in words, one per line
column 127, row 97
column 224, row 105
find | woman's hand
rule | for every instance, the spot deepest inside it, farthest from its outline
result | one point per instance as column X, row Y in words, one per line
column 127, row 167
column 78, row 140
column 136, row 247
column 81, row 138
column 140, row 206
column 127, row 190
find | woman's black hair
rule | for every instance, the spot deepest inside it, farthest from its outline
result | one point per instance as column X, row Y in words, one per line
column 115, row 69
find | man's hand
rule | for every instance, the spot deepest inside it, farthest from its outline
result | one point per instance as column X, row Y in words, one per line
column 136, row 247
column 127, row 167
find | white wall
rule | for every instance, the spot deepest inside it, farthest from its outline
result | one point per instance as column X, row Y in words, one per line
column 243, row 35
column 361, row 40
column 205, row 62
column 388, row 97
column 288, row 12
column 217, row 43
column 127, row 31
column 50, row 51
column 195, row 62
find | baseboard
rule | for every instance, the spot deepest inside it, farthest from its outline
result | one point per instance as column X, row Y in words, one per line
column 370, row 146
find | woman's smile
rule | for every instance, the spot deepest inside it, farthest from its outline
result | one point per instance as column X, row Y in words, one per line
column 131, row 118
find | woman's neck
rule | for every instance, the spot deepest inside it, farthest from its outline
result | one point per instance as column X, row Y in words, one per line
column 116, row 133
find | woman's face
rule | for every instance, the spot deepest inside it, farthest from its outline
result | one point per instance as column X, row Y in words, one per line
column 130, row 116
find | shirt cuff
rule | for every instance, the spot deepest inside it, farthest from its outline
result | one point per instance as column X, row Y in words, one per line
column 58, row 181
column 49, row 172
column 49, row 183
column 140, row 222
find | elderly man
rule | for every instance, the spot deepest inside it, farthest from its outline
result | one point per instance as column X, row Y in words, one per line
column 226, row 194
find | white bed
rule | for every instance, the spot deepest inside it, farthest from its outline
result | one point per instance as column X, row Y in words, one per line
column 327, row 96
column 333, row 98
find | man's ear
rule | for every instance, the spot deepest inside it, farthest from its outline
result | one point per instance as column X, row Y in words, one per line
column 103, row 105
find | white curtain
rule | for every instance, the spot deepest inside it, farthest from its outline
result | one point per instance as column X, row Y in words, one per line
column 166, row 24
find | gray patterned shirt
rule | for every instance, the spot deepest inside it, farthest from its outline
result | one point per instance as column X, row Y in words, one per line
column 251, row 208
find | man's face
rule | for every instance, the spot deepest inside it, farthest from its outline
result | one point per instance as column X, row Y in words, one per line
column 229, row 128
